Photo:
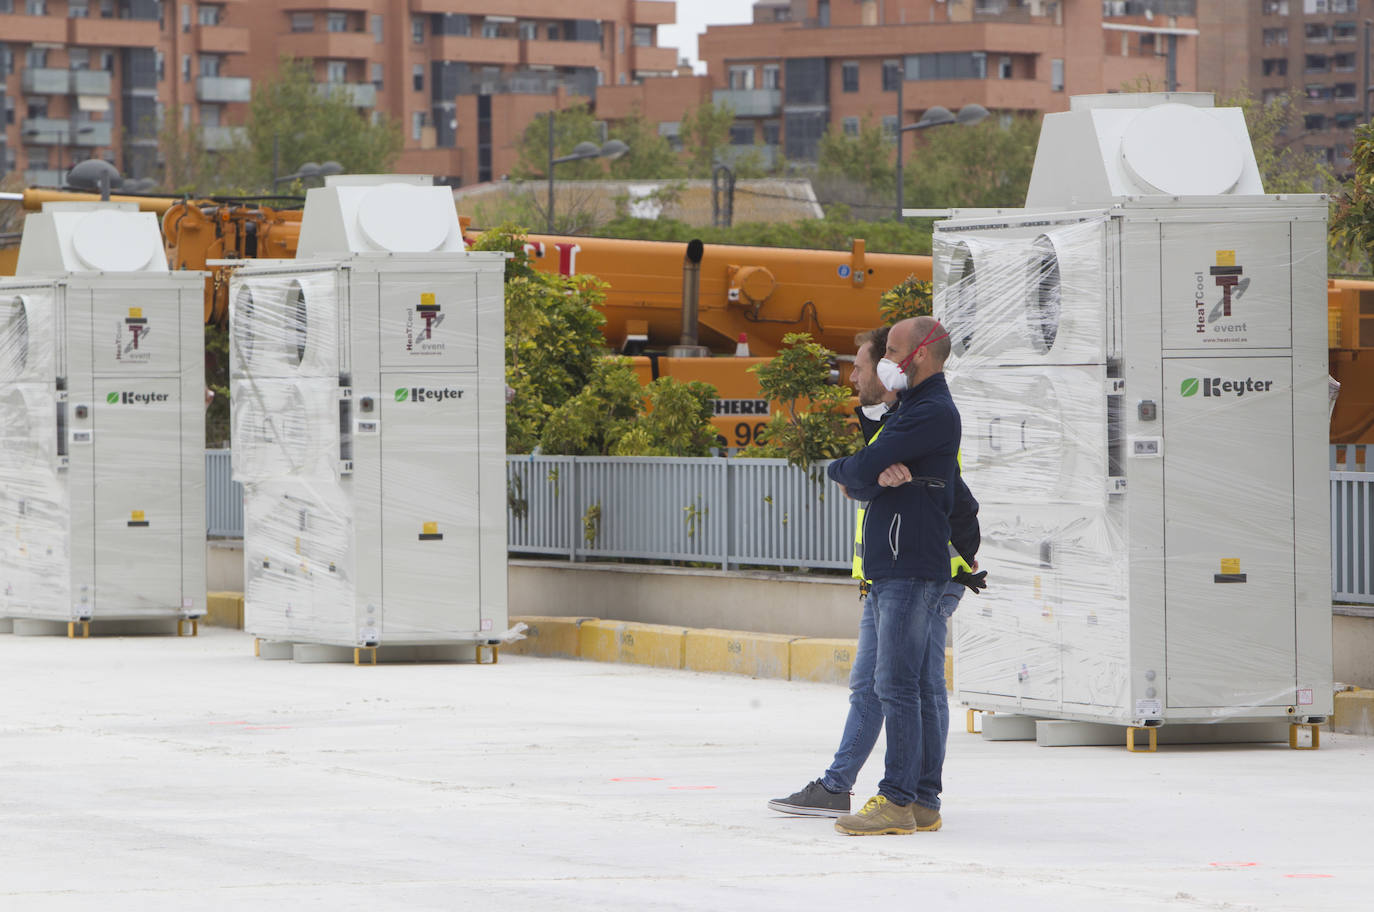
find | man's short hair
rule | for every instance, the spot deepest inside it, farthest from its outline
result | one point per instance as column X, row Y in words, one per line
column 878, row 337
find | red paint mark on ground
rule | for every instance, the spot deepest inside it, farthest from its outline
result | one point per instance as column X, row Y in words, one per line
column 1308, row 876
column 1233, row 864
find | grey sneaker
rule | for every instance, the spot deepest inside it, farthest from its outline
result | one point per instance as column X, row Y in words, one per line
column 813, row 801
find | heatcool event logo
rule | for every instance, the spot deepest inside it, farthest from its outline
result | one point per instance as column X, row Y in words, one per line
column 420, row 325
column 422, row 394
column 129, row 334
column 128, row 398
column 1217, row 322
column 1216, row 386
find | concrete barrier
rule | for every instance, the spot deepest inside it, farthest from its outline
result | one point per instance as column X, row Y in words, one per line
column 760, row 655
column 826, row 661
column 550, row 637
column 223, row 609
column 1354, row 712
column 658, row 645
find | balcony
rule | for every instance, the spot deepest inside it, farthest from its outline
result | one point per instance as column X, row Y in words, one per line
column 224, row 89
column 46, row 81
column 654, row 60
column 560, row 53
column 43, row 177
column 310, row 6
column 221, row 139
column 653, row 12
column 47, row 131
column 221, row 39
column 605, row 10
column 750, row 102
column 358, row 94
column 90, row 82
column 114, row 32
column 479, row 50
column 35, row 29
column 763, row 156
column 93, row 134
column 329, row 45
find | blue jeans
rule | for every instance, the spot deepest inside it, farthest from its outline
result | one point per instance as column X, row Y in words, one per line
column 916, row 613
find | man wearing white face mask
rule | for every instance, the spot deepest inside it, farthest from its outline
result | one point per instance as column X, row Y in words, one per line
column 829, row 796
column 908, row 475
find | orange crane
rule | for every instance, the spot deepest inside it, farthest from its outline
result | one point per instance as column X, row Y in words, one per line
column 760, row 293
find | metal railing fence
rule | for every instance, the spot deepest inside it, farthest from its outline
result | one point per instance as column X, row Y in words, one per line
column 749, row 512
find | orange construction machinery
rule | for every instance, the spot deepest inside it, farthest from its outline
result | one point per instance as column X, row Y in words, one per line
column 662, row 303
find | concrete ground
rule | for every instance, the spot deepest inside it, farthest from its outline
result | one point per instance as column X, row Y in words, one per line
column 166, row 774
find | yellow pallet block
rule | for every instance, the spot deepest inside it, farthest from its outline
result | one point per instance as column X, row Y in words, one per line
column 1354, row 712
column 658, row 645
column 822, row 660
column 549, row 637
column 761, row 655
column 224, row 609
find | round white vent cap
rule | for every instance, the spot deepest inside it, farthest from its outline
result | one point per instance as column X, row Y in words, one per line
column 111, row 241
column 403, row 219
column 1181, row 150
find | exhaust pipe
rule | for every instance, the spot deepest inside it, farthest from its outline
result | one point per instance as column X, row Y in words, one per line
column 688, row 343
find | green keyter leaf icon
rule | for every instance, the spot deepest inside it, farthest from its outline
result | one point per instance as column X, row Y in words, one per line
column 112, row 398
column 1189, row 387
column 402, row 394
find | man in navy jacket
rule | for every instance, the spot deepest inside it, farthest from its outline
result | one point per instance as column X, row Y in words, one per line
column 909, row 476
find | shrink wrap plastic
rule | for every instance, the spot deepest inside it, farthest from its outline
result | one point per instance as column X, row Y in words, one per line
column 367, row 424
column 1172, row 598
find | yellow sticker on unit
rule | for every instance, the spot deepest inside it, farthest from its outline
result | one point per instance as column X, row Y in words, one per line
column 427, row 299
column 1226, row 258
column 1230, row 565
column 135, row 313
column 430, row 528
column 136, row 515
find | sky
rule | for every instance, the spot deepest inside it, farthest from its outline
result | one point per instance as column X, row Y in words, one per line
column 692, row 18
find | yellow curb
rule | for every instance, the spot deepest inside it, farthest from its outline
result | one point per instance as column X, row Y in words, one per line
column 761, row 655
column 223, row 609
column 550, row 637
column 1354, row 712
column 642, row 644
column 822, row 660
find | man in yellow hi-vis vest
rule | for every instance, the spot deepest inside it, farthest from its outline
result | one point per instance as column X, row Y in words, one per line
column 829, row 796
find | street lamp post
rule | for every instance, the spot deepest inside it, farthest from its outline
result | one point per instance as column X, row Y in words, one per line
column 935, row 116
column 611, row 150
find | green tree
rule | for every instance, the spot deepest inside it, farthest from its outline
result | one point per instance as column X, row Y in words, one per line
column 187, row 168
column 678, row 421
column 570, row 126
column 1352, row 227
column 705, row 135
column 651, row 156
column 814, row 421
column 308, row 125
column 1284, row 165
column 553, row 338
column 986, row 165
column 594, row 420
column 866, row 159
column 910, row 297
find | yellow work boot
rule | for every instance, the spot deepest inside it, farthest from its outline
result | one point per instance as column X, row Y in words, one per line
column 927, row 819
column 879, row 817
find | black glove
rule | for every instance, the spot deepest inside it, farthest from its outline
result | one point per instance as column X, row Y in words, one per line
column 975, row 581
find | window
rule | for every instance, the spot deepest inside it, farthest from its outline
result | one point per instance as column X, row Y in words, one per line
column 36, row 107
column 78, row 9
column 186, row 67
column 6, row 6
column 1343, row 91
column 336, row 22
column 1275, row 66
column 1344, row 31
column 851, row 126
column 417, row 124
column 417, row 31
column 79, row 58
column 417, row 77
column 770, row 76
column 1275, row 37
column 1004, row 67
column 1315, row 63
column 6, row 60
column 552, row 33
column 849, row 76
column 1317, row 32
column 823, row 13
column 9, row 109
column 741, row 133
column 36, row 58
column 1345, row 121
column 160, row 62
column 1326, row 154
column 104, row 60
column 107, row 10
column 1313, row 121
column 1271, row 95
column 1329, row 6
column 1343, row 63
column 964, row 65
column 210, row 64
column 378, row 28
column 1317, row 92
column 186, row 114
column 892, row 74
column 644, row 36
column 209, row 115
column 378, row 74
column 1056, row 75
column 890, row 128
column 528, row 31
column 302, row 22
column 741, row 77
column 36, row 7
column 336, row 71
column 491, row 29
column 207, row 15
column 185, row 17
column 1275, row 7
column 772, row 130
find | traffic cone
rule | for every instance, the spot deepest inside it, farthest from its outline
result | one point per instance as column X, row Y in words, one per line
column 742, row 346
